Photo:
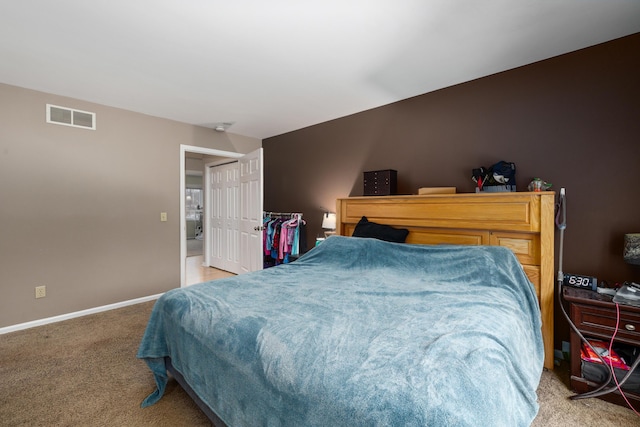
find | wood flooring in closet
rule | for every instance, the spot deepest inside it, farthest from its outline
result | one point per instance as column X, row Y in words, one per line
column 196, row 273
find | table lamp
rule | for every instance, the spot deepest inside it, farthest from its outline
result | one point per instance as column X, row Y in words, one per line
column 329, row 223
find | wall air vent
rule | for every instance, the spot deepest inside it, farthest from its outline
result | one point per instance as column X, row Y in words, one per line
column 70, row 117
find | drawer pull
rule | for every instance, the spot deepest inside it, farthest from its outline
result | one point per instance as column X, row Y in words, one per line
column 630, row 327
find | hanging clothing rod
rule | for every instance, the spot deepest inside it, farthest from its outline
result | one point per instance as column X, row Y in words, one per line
column 290, row 214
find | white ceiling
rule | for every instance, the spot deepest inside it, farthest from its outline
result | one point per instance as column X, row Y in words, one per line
column 275, row 66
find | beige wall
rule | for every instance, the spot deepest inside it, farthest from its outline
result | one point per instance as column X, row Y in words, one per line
column 193, row 165
column 80, row 211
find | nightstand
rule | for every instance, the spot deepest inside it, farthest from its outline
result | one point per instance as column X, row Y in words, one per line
column 594, row 315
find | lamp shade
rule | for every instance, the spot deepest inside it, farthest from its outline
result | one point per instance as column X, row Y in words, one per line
column 329, row 221
column 632, row 248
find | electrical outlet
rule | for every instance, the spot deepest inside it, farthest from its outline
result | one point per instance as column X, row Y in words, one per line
column 163, row 216
column 41, row 291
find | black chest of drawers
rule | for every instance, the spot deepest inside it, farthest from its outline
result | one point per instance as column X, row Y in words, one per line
column 381, row 183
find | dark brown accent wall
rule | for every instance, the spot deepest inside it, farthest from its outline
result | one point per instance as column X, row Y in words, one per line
column 572, row 120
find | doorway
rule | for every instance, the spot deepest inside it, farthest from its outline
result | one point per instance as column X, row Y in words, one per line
column 184, row 149
column 251, row 206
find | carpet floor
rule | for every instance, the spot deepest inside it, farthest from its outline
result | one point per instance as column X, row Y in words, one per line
column 83, row 372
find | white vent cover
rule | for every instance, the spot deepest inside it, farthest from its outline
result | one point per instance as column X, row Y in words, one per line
column 70, row 117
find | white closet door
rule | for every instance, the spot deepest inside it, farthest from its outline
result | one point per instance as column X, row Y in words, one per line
column 216, row 217
column 224, row 216
column 231, row 222
column 235, row 206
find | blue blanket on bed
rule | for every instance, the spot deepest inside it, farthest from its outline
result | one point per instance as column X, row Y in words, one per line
column 359, row 332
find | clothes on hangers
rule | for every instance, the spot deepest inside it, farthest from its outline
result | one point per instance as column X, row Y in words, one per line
column 281, row 237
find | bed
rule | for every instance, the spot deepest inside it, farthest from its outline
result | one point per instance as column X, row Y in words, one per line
column 360, row 331
column 523, row 222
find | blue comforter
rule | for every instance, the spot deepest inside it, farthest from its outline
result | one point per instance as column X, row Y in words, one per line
column 359, row 332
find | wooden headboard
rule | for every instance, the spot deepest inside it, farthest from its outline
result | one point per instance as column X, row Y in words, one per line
column 523, row 222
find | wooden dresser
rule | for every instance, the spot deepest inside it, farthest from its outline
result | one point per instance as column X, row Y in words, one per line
column 523, row 222
column 595, row 316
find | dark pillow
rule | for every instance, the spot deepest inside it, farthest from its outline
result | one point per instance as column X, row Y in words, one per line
column 366, row 228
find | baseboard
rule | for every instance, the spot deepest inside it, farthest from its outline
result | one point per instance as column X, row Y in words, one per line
column 73, row 315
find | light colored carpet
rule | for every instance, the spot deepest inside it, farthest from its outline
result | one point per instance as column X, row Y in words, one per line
column 83, row 372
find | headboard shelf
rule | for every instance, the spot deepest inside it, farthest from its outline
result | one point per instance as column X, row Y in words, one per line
column 523, row 222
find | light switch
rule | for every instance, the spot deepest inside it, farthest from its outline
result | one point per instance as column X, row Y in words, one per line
column 163, row 216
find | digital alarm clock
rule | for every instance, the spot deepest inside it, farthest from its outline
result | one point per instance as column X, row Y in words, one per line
column 580, row 281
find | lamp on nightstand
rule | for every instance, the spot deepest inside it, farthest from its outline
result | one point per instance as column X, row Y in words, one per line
column 329, row 223
column 632, row 248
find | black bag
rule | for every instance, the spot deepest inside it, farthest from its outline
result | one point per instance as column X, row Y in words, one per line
column 497, row 178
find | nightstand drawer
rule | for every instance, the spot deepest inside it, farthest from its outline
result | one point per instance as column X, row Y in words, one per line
column 602, row 321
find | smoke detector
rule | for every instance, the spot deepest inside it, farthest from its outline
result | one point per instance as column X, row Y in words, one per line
column 222, row 127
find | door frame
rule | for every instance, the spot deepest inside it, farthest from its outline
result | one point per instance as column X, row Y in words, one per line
column 184, row 149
